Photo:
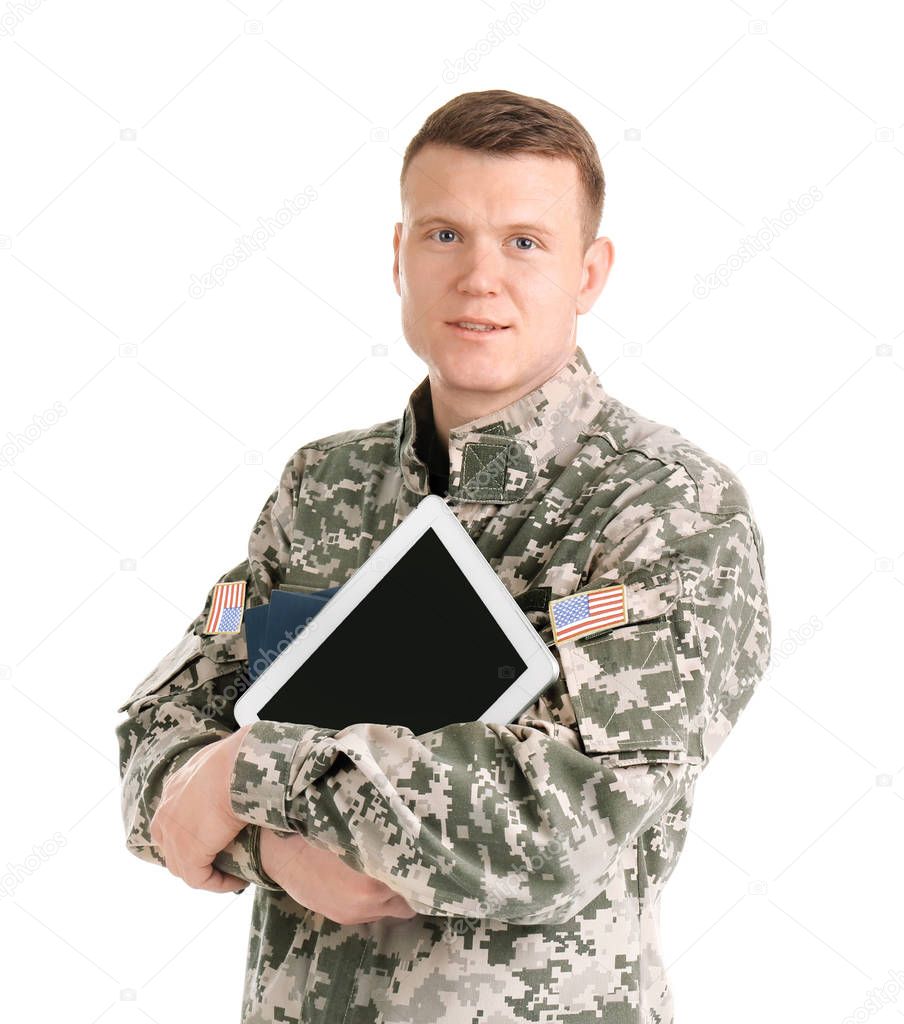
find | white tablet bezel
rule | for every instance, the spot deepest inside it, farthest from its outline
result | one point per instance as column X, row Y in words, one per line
column 541, row 670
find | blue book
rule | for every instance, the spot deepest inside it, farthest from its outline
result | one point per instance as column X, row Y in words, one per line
column 255, row 624
column 270, row 628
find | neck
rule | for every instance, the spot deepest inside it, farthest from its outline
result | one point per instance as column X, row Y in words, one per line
column 452, row 407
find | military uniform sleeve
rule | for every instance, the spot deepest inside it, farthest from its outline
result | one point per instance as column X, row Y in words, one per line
column 187, row 700
column 526, row 822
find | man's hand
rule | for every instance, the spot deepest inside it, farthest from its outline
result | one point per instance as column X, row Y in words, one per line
column 320, row 881
column 194, row 820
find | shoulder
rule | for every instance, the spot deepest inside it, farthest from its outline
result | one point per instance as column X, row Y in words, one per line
column 365, row 436
column 664, row 501
column 341, row 447
column 667, row 468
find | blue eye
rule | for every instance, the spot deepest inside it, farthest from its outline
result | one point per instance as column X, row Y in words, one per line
column 520, row 238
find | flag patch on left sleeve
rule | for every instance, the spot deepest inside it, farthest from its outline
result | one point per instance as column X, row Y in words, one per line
column 226, row 608
column 579, row 614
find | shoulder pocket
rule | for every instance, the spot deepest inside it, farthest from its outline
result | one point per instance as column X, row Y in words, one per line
column 210, row 654
column 624, row 681
column 155, row 685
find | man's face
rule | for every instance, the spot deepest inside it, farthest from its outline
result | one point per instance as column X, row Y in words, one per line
column 497, row 239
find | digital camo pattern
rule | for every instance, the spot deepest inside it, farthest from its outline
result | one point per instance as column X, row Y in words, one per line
column 535, row 853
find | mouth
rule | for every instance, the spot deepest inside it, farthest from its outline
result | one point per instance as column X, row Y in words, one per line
column 473, row 328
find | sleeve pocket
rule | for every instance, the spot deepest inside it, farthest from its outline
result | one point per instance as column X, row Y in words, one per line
column 155, row 686
column 624, row 682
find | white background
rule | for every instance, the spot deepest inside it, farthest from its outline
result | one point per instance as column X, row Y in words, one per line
column 179, row 412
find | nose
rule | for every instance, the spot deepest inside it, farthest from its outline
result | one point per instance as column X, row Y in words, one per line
column 482, row 269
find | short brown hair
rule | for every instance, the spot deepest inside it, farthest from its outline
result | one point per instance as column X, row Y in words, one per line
column 499, row 121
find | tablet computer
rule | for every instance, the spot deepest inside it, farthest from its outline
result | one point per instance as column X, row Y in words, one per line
column 423, row 634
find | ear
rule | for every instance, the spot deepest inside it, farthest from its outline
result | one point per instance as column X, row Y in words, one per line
column 598, row 262
column 396, row 242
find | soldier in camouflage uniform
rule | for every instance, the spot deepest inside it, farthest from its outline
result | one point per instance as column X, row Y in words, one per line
column 533, row 854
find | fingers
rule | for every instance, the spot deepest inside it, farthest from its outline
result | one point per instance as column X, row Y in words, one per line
column 398, row 907
column 395, row 905
column 179, row 847
column 209, row 878
column 217, row 881
column 227, row 883
column 213, row 880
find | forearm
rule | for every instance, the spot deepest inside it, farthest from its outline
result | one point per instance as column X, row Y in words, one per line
column 472, row 820
column 152, row 747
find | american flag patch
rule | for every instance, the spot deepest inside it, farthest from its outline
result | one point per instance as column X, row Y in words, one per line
column 579, row 614
column 227, row 608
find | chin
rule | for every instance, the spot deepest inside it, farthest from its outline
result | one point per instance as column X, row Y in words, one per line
column 477, row 371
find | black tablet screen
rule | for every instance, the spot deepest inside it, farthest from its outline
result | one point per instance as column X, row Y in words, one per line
column 420, row 650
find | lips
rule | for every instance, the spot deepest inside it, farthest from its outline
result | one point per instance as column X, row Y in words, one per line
column 478, row 325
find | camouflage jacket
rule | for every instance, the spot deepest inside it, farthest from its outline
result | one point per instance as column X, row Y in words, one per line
column 535, row 852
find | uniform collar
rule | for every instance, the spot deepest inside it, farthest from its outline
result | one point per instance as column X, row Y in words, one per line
column 508, row 454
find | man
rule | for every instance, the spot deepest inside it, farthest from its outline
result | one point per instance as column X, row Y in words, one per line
column 477, row 873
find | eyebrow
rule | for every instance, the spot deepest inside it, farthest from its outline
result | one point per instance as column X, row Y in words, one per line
column 535, row 229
